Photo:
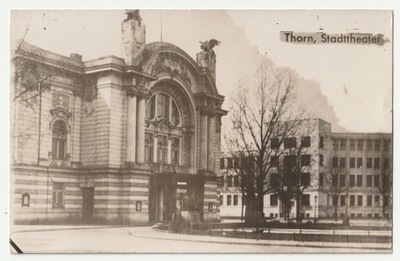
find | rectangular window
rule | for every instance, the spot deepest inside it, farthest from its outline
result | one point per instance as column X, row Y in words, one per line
column 321, row 142
column 335, row 162
column 305, row 200
column 359, row 162
column 138, row 205
column 273, row 200
column 321, row 160
column 352, row 180
column 305, row 179
column 352, row 200
column 235, row 200
column 148, row 143
column 236, row 181
column 359, row 200
column 386, row 163
column 376, row 163
column 352, row 145
column 343, row 163
column 230, row 163
column 221, row 200
column 369, row 163
column 342, row 144
column 369, row 181
column 376, row 180
column 274, row 144
column 274, row 180
column 377, row 145
column 305, row 160
column 360, row 145
column 359, row 180
column 162, row 148
column 335, row 144
column 222, row 163
column 229, row 181
column 386, row 145
column 386, row 201
column 369, row 200
column 290, row 143
column 58, row 195
column 228, row 200
column 369, row 145
column 352, row 163
column 342, row 180
column 274, row 161
column 236, row 162
column 335, row 180
column 342, row 200
column 175, row 151
column 376, row 199
column 162, row 106
column 321, row 179
column 305, row 142
column 210, row 206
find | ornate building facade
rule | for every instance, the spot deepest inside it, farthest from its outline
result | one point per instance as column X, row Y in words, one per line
column 112, row 138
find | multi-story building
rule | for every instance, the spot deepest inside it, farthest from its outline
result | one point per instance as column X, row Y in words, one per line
column 359, row 164
column 118, row 139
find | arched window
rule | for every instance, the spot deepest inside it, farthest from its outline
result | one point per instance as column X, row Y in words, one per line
column 59, row 140
column 162, row 106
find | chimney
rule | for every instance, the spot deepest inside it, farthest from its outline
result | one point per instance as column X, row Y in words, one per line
column 133, row 37
column 76, row 57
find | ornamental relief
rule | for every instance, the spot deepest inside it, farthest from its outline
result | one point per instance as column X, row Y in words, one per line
column 173, row 65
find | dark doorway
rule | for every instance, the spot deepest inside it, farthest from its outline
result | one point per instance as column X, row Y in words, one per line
column 88, row 202
column 163, row 196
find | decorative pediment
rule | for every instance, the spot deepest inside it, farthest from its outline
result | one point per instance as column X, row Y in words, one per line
column 60, row 112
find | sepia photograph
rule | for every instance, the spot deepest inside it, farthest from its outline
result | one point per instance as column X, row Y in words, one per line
column 201, row 131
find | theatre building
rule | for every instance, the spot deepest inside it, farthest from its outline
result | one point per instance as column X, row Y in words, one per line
column 115, row 139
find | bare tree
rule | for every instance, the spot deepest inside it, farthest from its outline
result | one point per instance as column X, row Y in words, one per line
column 332, row 186
column 384, row 177
column 262, row 108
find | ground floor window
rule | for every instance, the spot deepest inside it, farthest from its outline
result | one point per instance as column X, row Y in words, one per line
column 58, row 195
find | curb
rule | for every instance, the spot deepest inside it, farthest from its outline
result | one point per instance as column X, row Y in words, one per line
column 66, row 228
column 258, row 243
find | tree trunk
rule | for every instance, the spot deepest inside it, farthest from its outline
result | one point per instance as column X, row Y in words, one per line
column 298, row 208
column 254, row 215
column 335, row 203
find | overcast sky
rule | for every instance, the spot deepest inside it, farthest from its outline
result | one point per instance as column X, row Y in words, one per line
column 347, row 85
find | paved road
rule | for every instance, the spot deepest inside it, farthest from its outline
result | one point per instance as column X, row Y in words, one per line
column 145, row 240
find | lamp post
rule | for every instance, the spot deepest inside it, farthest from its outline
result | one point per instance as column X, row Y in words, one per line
column 315, row 207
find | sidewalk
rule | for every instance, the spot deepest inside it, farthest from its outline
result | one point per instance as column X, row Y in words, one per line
column 30, row 228
column 148, row 232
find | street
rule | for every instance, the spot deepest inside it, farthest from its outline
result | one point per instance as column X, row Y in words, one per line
column 146, row 240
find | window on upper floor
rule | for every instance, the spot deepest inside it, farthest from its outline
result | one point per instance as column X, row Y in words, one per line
column 175, row 151
column 305, row 142
column 290, row 143
column 59, row 140
column 377, row 145
column 275, row 143
column 273, row 200
column 360, row 145
column 352, row 163
column 148, row 147
column 305, row 179
column 352, row 145
column 163, row 106
column 342, row 144
column 335, row 144
column 321, row 142
column 305, row 200
column 369, row 145
column 386, row 145
column 376, row 163
column 305, row 160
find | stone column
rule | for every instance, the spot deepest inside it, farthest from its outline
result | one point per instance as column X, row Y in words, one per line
column 169, row 150
column 140, row 134
column 131, row 130
column 155, row 148
column 211, row 143
column 203, row 141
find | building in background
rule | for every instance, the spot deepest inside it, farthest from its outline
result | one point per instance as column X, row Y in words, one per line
column 354, row 168
column 111, row 139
